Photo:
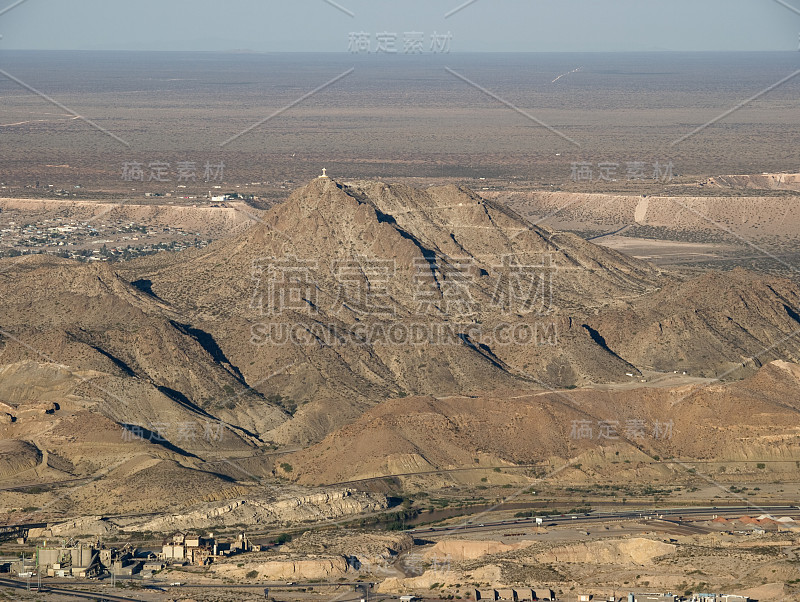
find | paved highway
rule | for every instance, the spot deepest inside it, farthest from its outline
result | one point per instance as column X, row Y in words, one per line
column 49, row 586
column 473, row 525
column 17, row 584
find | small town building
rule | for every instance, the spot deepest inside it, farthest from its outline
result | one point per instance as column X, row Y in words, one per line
column 524, row 594
column 718, row 598
column 153, row 566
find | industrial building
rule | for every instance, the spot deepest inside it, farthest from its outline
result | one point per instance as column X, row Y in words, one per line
column 184, row 548
column 718, row 598
column 85, row 560
column 71, row 559
column 121, row 563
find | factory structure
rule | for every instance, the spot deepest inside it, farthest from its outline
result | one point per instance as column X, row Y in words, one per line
column 71, row 559
column 185, row 548
column 86, row 560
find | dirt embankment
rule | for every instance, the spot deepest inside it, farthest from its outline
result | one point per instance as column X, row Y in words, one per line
column 755, row 216
column 637, row 551
column 289, row 569
column 290, row 508
column 765, row 181
column 319, row 556
column 457, row 550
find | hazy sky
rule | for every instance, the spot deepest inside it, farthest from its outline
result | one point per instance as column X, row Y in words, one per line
column 485, row 25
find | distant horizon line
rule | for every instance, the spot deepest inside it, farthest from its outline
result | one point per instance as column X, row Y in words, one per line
column 427, row 54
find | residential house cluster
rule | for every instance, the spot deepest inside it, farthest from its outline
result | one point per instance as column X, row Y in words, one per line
column 516, row 594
